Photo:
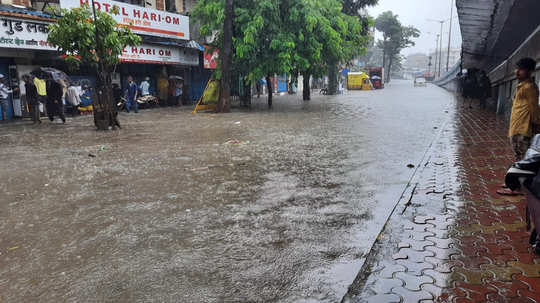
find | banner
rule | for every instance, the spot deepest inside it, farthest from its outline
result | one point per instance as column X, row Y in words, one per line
column 159, row 54
column 141, row 20
column 210, row 58
column 24, row 34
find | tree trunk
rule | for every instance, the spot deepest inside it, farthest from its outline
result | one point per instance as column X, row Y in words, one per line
column 333, row 73
column 389, row 69
column 103, row 103
column 270, row 90
column 306, row 93
column 224, row 104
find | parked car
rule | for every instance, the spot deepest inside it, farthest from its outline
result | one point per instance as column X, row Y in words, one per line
column 420, row 81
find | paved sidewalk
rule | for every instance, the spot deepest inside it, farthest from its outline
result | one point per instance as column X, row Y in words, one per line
column 452, row 238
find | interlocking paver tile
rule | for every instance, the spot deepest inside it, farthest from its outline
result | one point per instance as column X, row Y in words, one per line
column 384, row 286
column 415, row 268
column 412, row 296
column 390, row 269
column 528, row 270
column 387, row 298
column 460, row 241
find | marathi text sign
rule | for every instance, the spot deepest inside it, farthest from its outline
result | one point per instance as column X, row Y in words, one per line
column 24, row 34
column 141, row 20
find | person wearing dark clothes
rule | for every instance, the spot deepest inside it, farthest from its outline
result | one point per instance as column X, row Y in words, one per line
column 55, row 107
column 32, row 98
column 132, row 92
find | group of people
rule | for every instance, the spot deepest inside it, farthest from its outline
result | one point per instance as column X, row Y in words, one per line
column 133, row 92
column 48, row 92
column 53, row 94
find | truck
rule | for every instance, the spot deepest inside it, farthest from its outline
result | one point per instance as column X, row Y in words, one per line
column 376, row 75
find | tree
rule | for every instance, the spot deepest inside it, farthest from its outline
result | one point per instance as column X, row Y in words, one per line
column 224, row 104
column 352, row 8
column 94, row 38
column 395, row 38
column 285, row 36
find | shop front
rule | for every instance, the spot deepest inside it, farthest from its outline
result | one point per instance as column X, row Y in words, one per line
column 164, row 65
column 23, row 43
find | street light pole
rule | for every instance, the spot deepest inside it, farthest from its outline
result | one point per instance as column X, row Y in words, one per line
column 450, row 34
column 440, row 49
column 436, row 56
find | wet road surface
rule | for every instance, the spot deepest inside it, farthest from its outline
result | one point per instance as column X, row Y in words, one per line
column 167, row 211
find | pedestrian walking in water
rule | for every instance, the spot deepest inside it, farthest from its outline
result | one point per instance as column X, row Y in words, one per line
column 55, row 107
column 131, row 96
column 32, row 98
column 525, row 117
column 4, row 97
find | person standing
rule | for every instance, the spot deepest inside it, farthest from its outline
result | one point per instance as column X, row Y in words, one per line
column 131, row 95
column 145, row 87
column 55, row 107
column 32, row 98
column 41, row 87
column 73, row 98
column 525, row 117
column 4, row 97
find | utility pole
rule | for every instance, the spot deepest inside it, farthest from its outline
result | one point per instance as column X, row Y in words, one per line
column 440, row 49
column 436, row 56
column 450, row 34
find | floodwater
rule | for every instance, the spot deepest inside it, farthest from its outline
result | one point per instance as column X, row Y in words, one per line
column 253, row 206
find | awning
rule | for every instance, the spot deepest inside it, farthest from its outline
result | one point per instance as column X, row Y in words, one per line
column 493, row 29
column 10, row 10
column 186, row 44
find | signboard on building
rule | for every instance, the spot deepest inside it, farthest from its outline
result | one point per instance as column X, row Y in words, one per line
column 210, row 58
column 158, row 54
column 141, row 20
column 24, row 34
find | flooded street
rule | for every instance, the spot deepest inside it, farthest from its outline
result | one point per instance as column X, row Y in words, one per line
column 258, row 205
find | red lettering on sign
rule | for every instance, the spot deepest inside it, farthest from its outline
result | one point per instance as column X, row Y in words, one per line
column 176, row 20
column 159, row 18
column 161, row 52
column 97, row 6
column 83, row 2
column 134, row 50
column 106, row 5
column 136, row 13
column 145, row 15
column 168, row 19
column 124, row 11
column 167, row 53
column 153, row 17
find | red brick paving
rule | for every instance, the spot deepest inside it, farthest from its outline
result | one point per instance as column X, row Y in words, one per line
column 458, row 241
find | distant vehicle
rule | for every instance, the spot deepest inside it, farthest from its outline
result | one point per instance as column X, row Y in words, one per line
column 376, row 75
column 358, row 81
column 420, row 81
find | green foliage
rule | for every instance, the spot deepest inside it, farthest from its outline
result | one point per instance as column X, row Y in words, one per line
column 285, row 36
column 75, row 35
column 395, row 36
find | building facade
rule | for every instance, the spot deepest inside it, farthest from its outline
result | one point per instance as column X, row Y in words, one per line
column 166, row 49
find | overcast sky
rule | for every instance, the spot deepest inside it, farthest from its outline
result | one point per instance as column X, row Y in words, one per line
column 417, row 13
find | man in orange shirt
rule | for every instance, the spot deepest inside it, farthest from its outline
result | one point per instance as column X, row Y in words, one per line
column 525, row 112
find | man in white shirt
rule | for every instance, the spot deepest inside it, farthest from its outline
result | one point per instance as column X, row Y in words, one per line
column 73, row 98
column 145, row 87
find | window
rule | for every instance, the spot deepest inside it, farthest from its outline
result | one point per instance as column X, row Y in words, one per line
column 174, row 6
column 144, row 3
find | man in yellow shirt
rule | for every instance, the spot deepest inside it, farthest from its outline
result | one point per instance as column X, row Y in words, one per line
column 525, row 116
column 525, row 110
column 41, row 89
